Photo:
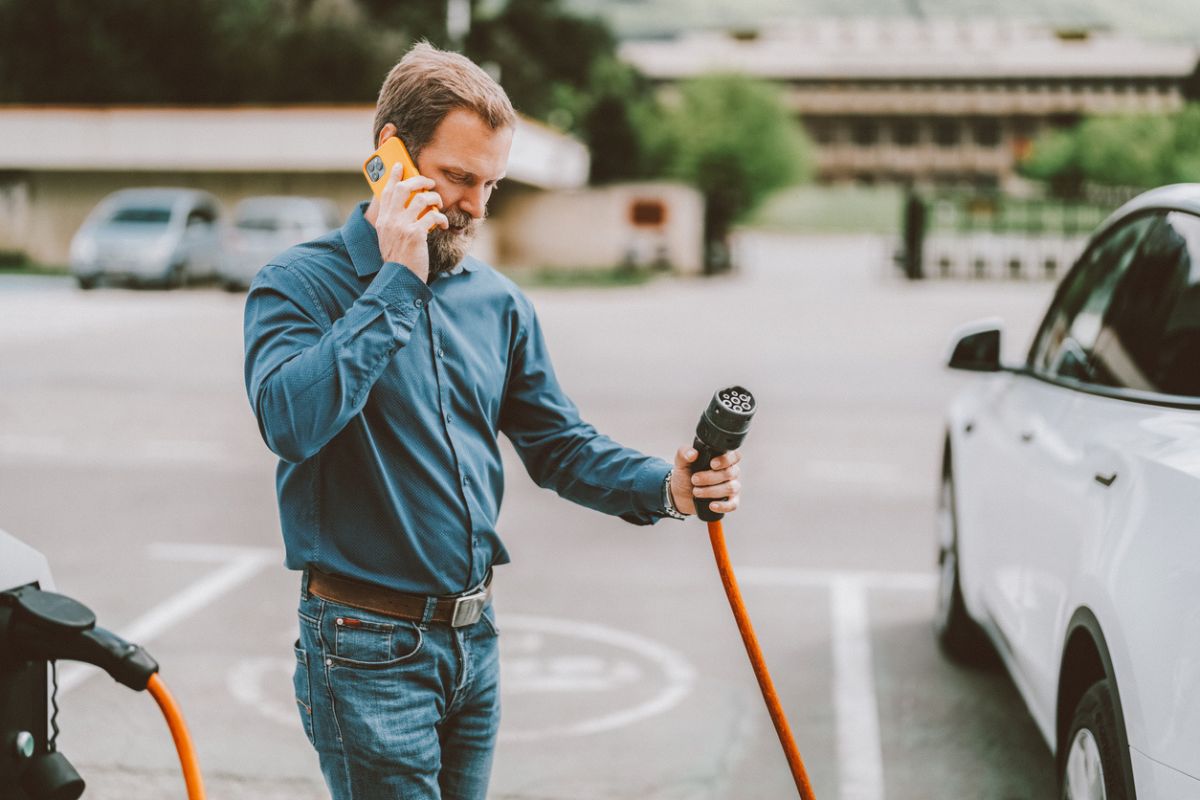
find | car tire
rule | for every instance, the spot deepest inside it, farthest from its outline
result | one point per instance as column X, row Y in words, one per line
column 177, row 276
column 959, row 636
column 1094, row 766
column 86, row 282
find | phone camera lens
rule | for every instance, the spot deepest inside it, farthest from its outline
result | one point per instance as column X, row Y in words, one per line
column 375, row 168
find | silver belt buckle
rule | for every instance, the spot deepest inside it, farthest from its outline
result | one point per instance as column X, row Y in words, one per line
column 469, row 608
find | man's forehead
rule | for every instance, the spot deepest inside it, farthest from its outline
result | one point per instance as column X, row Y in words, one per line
column 465, row 143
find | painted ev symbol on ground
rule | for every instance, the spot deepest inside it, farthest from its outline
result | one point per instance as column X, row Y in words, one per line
column 559, row 678
column 567, row 678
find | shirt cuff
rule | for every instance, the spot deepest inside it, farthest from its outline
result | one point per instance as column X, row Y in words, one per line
column 399, row 286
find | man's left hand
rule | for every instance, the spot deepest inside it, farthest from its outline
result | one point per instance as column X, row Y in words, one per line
column 719, row 479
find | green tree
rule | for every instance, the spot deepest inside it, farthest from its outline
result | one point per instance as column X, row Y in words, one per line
column 1136, row 150
column 732, row 137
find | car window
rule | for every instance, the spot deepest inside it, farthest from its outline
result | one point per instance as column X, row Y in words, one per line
column 1065, row 340
column 201, row 216
column 141, row 215
column 1150, row 337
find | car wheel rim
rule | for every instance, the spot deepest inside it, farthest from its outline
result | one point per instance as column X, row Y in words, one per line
column 947, row 553
column 1085, row 773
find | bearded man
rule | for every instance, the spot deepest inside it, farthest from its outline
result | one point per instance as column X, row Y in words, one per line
column 381, row 363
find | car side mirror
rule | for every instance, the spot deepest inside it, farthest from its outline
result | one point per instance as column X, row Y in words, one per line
column 977, row 347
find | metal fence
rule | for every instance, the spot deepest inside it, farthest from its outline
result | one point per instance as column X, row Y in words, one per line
column 997, row 237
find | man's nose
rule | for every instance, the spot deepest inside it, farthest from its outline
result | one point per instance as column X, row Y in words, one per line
column 474, row 201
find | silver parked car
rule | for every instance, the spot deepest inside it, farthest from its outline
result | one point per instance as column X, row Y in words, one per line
column 163, row 236
column 263, row 227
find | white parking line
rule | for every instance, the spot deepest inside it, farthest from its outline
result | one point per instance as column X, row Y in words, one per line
column 859, row 752
column 241, row 564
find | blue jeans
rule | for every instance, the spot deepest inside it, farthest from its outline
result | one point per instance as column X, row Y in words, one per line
column 394, row 709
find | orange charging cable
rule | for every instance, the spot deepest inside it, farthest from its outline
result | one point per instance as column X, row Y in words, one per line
column 183, row 739
column 716, row 534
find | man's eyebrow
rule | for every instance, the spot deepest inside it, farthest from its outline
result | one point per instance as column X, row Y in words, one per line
column 466, row 173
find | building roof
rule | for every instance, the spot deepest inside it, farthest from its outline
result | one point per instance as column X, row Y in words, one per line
column 889, row 49
column 242, row 139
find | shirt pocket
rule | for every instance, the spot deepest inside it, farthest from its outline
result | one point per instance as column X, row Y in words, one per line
column 372, row 644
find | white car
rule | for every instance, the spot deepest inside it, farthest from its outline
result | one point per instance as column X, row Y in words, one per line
column 1070, row 508
column 263, row 227
column 157, row 236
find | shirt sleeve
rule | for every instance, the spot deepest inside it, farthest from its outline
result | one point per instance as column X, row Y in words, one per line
column 562, row 452
column 307, row 376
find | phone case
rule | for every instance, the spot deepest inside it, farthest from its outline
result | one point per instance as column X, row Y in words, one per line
column 378, row 167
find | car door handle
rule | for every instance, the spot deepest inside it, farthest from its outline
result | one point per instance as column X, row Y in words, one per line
column 1027, row 436
column 1105, row 480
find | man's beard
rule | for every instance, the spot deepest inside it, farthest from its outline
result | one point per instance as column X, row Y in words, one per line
column 448, row 247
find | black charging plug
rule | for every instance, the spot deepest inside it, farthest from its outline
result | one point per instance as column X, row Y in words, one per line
column 722, row 427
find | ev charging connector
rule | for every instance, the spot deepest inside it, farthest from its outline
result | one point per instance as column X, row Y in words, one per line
column 722, row 427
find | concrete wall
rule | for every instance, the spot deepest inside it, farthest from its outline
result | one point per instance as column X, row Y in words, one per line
column 583, row 228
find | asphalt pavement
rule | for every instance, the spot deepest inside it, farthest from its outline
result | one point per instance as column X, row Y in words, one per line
column 128, row 455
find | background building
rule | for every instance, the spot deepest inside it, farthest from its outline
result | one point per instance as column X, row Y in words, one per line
column 56, row 163
column 944, row 102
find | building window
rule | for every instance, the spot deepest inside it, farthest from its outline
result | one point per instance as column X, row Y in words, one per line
column 865, row 132
column 904, row 132
column 986, row 132
column 946, row 132
column 823, row 131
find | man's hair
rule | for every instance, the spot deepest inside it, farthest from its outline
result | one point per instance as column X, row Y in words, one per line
column 426, row 85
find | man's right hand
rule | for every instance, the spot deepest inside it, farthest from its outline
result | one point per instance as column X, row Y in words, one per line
column 402, row 231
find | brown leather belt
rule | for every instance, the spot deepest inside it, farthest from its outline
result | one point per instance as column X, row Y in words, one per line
column 455, row 610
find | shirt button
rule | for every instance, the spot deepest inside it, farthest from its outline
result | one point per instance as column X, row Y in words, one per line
column 448, row 419
column 441, row 352
column 418, row 302
column 466, row 480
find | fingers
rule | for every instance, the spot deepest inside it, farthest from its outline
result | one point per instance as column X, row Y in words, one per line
column 726, row 459
column 712, row 477
column 725, row 506
column 684, row 457
column 728, row 489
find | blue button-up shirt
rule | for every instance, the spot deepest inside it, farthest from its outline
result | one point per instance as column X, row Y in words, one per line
column 383, row 396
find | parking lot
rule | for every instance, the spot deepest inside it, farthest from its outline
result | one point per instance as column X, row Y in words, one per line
column 129, row 456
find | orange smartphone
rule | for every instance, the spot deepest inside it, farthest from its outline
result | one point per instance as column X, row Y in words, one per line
column 378, row 167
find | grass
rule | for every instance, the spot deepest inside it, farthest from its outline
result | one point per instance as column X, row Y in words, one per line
column 830, row 209
column 584, row 278
column 20, row 266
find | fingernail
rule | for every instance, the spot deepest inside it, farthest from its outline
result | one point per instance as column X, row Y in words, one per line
column 692, row 454
column 695, row 479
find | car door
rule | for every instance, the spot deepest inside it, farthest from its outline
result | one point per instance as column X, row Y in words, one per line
column 1046, row 500
column 1137, row 562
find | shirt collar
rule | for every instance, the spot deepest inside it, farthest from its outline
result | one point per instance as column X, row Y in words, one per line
column 362, row 243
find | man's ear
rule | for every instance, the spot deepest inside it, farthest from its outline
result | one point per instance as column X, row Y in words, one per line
column 385, row 133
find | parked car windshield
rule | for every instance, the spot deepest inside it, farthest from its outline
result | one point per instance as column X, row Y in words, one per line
column 141, row 215
column 1064, row 343
column 1150, row 337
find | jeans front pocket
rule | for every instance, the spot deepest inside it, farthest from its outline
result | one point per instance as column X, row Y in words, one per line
column 372, row 643
column 302, row 684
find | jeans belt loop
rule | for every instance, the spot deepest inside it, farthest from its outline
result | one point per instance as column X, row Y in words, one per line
column 304, row 584
column 430, row 608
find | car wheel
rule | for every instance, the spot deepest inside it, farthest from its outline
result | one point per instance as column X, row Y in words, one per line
column 1094, row 766
column 177, row 276
column 960, row 637
column 86, row 282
